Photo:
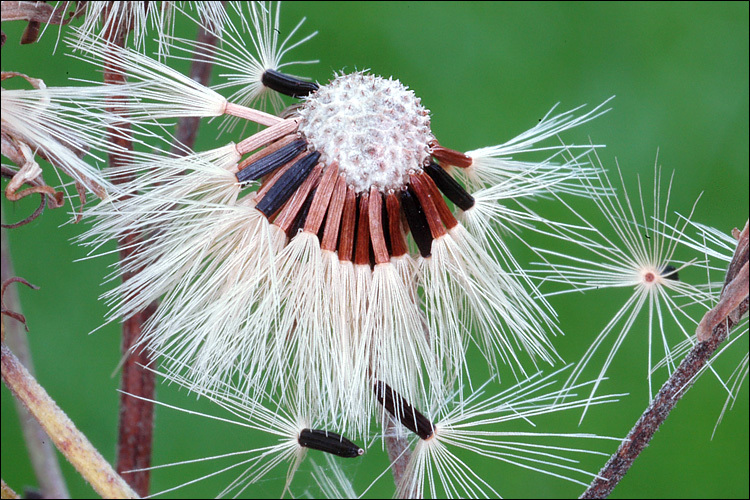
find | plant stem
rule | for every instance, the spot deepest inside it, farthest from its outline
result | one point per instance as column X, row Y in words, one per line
column 69, row 440
column 682, row 378
column 7, row 491
column 398, row 452
column 41, row 453
column 135, row 434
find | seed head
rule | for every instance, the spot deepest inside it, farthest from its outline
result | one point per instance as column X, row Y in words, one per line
column 376, row 129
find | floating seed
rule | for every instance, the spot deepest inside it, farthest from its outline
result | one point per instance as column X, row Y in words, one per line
column 670, row 272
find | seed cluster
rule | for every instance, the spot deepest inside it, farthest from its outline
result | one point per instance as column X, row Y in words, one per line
column 375, row 129
column 357, row 173
column 363, row 160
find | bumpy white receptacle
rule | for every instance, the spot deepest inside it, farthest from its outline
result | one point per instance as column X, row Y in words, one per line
column 376, row 129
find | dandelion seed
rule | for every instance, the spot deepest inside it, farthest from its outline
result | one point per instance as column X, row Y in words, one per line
column 297, row 432
column 140, row 17
column 471, row 424
column 251, row 67
column 633, row 253
column 401, row 410
column 62, row 125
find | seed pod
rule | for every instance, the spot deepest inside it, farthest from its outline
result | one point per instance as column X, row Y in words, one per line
column 287, row 184
column 269, row 163
column 329, row 442
column 420, row 230
column 287, row 84
column 402, row 411
column 449, row 186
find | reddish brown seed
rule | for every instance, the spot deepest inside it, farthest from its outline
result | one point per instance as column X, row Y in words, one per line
column 293, row 206
column 395, row 228
column 271, row 148
column 451, row 157
column 425, row 197
column 348, row 226
column 445, row 213
column 321, row 199
column 376, row 227
column 335, row 212
column 362, row 248
column 268, row 135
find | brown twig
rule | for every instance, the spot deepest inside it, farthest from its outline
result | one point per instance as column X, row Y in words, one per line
column 69, row 440
column 13, row 192
column 7, row 491
column 732, row 294
column 39, row 12
column 399, row 453
column 41, row 453
column 721, row 319
column 135, row 434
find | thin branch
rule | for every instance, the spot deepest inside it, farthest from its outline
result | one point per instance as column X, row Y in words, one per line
column 135, row 435
column 39, row 12
column 399, row 453
column 69, row 440
column 7, row 491
column 722, row 319
column 41, row 453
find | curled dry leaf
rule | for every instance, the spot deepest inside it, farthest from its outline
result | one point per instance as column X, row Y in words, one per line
column 22, row 151
column 735, row 289
column 29, row 174
column 3, row 310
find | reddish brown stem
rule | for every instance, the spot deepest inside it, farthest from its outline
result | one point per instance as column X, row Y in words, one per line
column 395, row 229
column 362, row 244
column 348, row 226
column 322, row 198
column 679, row 383
column 136, row 413
column 450, row 156
column 377, row 236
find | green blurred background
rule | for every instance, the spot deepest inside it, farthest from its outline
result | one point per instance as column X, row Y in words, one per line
column 487, row 72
